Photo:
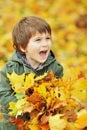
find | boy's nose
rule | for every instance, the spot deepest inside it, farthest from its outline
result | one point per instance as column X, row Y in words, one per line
column 44, row 43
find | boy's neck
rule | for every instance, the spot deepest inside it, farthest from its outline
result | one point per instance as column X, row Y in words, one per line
column 33, row 64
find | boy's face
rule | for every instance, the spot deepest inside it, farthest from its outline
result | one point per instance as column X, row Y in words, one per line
column 38, row 49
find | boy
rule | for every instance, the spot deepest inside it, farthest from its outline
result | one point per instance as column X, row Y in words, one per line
column 32, row 42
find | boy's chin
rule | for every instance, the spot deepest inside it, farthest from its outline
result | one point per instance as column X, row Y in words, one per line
column 42, row 61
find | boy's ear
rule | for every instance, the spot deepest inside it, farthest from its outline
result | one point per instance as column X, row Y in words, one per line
column 22, row 49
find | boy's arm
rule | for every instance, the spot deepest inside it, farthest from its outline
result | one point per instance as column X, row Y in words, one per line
column 5, row 97
column 57, row 69
column 5, row 90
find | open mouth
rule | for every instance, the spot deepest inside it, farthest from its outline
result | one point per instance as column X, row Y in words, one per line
column 43, row 53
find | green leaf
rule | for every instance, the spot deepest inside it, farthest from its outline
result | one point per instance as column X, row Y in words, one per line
column 19, row 95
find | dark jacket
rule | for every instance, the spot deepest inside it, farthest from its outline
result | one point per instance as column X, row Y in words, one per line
column 19, row 65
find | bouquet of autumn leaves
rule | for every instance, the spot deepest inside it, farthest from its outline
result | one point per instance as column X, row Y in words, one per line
column 48, row 103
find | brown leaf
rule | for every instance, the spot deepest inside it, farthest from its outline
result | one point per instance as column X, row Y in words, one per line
column 18, row 122
column 49, row 77
column 29, row 91
column 33, row 114
column 34, row 98
column 45, row 127
column 44, row 119
column 37, row 100
column 71, row 115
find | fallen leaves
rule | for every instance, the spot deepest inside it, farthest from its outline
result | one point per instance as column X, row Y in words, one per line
column 48, row 103
column 80, row 90
column 70, row 34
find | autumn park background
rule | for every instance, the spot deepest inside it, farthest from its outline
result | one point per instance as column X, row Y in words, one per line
column 67, row 18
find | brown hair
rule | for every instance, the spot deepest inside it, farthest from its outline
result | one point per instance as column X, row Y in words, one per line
column 27, row 27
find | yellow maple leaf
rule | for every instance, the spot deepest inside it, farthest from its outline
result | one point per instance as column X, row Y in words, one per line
column 62, row 94
column 16, row 81
column 48, row 101
column 33, row 127
column 20, row 103
column 71, row 74
column 56, row 122
column 17, row 107
column 29, row 81
column 42, row 89
column 33, row 124
column 71, row 126
column 12, row 109
column 41, row 77
column 12, row 105
column 80, row 89
column 81, row 121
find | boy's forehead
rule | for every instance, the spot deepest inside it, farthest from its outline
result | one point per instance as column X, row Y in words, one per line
column 37, row 33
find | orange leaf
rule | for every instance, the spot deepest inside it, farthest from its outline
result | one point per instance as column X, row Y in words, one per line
column 50, row 76
column 34, row 98
column 44, row 119
column 33, row 114
column 18, row 122
column 1, row 116
column 45, row 127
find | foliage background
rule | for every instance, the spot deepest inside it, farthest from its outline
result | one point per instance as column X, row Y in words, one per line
column 67, row 18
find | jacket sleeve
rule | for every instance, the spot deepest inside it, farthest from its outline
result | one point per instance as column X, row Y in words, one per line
column 57, row 69
column 5, row 97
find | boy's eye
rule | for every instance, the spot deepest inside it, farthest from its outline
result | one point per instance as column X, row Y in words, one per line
column 48, row 38
column 38, row 39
